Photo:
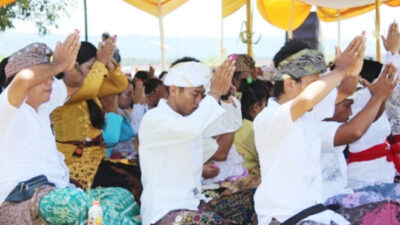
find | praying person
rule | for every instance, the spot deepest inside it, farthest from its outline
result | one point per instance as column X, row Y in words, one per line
column 287, row 134
column 78, row 124
column 35, row 182
column 171, row 151
column 344, row 131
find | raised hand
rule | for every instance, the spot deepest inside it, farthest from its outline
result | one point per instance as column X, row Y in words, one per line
column 222, row 78
column 350, row 61
column 151, row 71
column 65, row 53
column 138, row 93
column 105, row 51
column 384, row 86
column 392, row 40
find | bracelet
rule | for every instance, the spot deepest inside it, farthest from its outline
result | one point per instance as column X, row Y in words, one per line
column 215, row 92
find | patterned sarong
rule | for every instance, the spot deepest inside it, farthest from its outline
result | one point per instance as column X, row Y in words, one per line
column 229, row 210
column 71, row 206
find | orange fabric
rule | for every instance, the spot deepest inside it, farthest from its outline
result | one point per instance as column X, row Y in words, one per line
column 151, row 6
column 277, row 12
column 6, row 2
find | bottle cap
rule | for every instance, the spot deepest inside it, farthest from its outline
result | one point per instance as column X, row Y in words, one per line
column 95, row 202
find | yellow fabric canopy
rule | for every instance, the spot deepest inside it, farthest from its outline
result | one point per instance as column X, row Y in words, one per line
column 231, row 6
column 6, row 2
column 277, row 12
column 151, row 6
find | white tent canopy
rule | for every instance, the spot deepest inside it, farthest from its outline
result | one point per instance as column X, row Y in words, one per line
column 340, row 4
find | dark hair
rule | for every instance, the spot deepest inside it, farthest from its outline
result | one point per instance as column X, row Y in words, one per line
column 3, row 64
column 96, row 114
column 151, row 84
column 291, row 47
column 86, row 52
column 105, row 35
column 141, row 74
column 371, row 70
column 252, row 94
column 184, row 59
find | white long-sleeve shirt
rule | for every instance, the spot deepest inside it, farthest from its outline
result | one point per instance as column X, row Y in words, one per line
column 28, row 146
column 171, row 158
column 289, row 153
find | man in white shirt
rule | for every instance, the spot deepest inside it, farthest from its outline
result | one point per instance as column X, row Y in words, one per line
column 171, row 146
column 287, row 134
column 34, row 173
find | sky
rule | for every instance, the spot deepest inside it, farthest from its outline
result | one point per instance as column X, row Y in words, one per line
column 196, row 18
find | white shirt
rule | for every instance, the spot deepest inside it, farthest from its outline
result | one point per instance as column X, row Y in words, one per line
column 333, row 162
column 361, row 174
column 171, row 158
column 137, row 114
column 393, row 102
column 229, row 122
column 28, row 146
column 289, row 153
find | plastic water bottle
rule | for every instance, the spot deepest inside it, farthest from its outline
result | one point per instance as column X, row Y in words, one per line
column 95, row 214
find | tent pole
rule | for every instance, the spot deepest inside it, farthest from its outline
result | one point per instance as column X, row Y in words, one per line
column 86, row 23
column 249, row 29
column 377, row 30
column 161, row 25
column 339, row 28
column 221, row 43
column 290, row 33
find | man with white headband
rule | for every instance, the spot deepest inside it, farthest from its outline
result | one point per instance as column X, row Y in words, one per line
column 170, row 146
column 287, row 134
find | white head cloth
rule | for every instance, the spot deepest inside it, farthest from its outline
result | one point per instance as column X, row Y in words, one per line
column 188, row 74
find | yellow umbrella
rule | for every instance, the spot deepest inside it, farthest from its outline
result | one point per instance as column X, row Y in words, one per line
column 159, row 9
column 290, row 14
column 6, row 2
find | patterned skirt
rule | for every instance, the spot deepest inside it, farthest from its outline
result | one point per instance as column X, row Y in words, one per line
column 370, row 194
column 228, row 210
column 380, row 213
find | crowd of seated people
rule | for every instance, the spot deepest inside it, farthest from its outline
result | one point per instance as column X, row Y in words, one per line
column 199, row 145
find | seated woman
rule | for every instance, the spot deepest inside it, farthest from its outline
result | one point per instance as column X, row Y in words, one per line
column 121, row 166
column 254, row 100
column 35, row 186
column 372, row 160
column 78, row 124
column 218, row 148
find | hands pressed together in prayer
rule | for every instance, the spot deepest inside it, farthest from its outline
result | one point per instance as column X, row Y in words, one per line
column 105, row 53
column 222, row 79
column 66, row 52
column 350, row 61
column 392, row 40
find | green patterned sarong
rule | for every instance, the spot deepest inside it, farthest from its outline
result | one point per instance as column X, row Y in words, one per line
column 71, row 205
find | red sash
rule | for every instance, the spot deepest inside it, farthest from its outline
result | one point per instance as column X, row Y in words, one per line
column 382, row 150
